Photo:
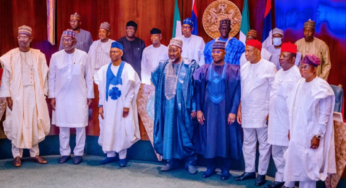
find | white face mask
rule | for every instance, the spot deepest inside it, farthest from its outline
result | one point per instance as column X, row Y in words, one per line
column 277, row 41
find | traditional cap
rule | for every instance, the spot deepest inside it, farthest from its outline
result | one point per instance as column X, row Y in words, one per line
column 254, row 43
column 225, row 21
column 278, row 31
column 24, row 30
column 311, row 59
column 106, row 26
column 75, row 16
column 155, row 31
column 219, row 45
column 309, row 24
column 289, row 47
column 117, row 45
column 252, row 33
column 188, row 21
column 69, row 33
column 176, row 42
column 131, row 23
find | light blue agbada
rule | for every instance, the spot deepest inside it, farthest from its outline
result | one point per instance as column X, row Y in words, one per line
column 173, row 125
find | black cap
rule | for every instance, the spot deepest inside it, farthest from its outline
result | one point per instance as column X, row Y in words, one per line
column 131, row 23
column 155, row 31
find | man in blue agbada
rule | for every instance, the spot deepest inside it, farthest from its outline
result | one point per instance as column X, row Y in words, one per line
column 175, row 109
column 234, row 47
column 217, row 100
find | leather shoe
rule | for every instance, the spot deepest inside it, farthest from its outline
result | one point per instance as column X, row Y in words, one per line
column 39, row 160
column 210, row 171
column 246, row 176
column 17, row 162
column 64, row 159
column 275, row 184
column 77, row 159
column 108, row 160
column 169, row 166
column 225, row 174
column 260, row 180
column 122, row 162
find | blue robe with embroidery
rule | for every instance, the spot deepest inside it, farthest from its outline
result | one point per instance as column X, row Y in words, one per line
column 234, row 49
column 173, row 125
column 216, row 138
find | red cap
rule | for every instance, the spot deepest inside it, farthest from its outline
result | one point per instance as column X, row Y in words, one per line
column 289, row 47
column 254, row 43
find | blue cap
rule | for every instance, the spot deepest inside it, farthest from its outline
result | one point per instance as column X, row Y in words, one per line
column 117, row 45
column 188, row 21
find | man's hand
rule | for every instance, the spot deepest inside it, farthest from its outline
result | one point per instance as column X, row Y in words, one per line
column 101, row 111
column 239, row 114
column 90, row 101
column 289, row 135
column 200, row 117
column 193, row 114
column 315, row 142
column 126, row 112
column 52, row 103
column 9, row 102
column 231, row 118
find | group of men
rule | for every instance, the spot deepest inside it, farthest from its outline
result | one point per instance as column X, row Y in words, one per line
column 206, row 98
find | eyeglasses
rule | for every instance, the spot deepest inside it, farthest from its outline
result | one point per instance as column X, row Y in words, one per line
column 186, row 27
column 216, row 52
column 305, row 67
column 23, row 37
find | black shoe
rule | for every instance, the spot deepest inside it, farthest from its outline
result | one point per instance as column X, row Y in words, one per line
column 210, row 171
column 108, row 160
column 225, row 174
column 77, row 159
column 64, row 159
column 275, row 184
column 260, row 180
column 246, row 176
column 122, row 162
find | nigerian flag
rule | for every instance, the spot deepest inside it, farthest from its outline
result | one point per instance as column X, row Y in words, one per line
column 176, row 21
column 245, row 22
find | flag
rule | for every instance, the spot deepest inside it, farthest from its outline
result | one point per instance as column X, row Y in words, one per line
column 267, row 27
column 194, row 18
column 245, row 23
column 176, row 21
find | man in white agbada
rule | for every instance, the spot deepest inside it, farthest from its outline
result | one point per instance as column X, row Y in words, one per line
column 278, row 125
column 257, row 77
column 275, row 49
column 193, row 47
column 118, row 85
column 153, row 55
column 265, row 54
column 24, row 84
column 99, row 50
column 70, row 91
column 310, row 156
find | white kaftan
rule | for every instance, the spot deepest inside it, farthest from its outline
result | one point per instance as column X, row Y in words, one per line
column 193, row 48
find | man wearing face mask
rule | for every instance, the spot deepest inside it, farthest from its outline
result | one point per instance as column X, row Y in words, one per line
column 193, row 45
column 175, row 109
column 153, row 55
column 84, row 39
column 99, row 50
column 133, row 47
column 234, row 48
column 312, row 45
column 71, row 91
column 25, row 86
column 275, row 49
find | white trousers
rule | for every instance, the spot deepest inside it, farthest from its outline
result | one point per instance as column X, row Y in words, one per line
column 122, row 154
column 307, row 184
column 278, row 157
column 64, row 139
column 18, row 152
column 251, row 136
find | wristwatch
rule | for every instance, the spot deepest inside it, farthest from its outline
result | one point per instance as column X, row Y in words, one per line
column 318, row 136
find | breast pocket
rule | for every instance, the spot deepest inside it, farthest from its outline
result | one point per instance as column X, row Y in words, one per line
column 76, row 69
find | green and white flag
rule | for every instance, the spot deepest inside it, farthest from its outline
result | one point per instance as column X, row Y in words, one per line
column 245, row 22
column 176, row 21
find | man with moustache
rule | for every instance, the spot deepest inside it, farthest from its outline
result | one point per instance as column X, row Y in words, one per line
column 84, row 39
column 25, row 86
column 153, row 55
column 193, row 45
column 175, row 109
column 234, row 48
column 71, row 92
column 133, row 47
column 99, row 50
